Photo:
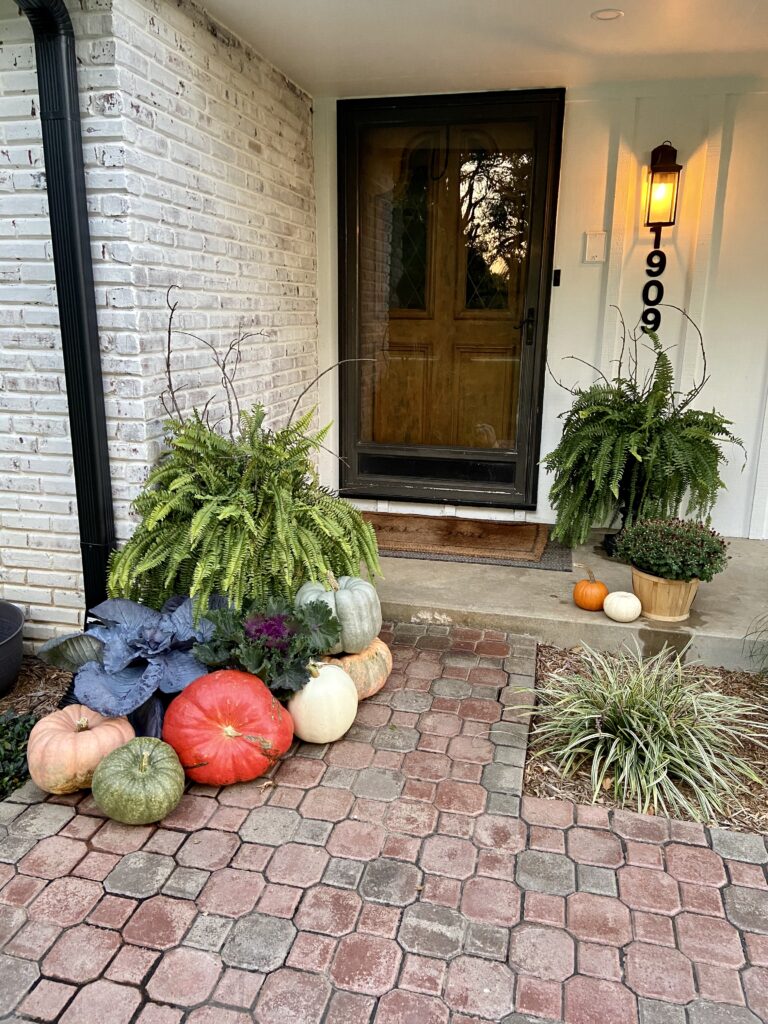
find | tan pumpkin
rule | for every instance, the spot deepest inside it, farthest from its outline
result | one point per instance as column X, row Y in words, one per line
column 65, row 747
column 369, row 669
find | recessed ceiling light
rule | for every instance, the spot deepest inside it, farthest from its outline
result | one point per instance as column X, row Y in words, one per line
column 607, row 14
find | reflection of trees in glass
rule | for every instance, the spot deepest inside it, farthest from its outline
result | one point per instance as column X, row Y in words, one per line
column 408, row 265
column 494, row 194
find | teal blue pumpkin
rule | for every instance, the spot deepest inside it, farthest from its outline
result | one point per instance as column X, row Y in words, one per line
column 140, row 782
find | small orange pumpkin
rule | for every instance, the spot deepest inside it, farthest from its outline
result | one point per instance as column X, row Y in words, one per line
column 65, row 747
column 369, row 669
column 589, row 594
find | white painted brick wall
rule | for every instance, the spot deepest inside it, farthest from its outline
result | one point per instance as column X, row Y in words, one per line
column 199, row 171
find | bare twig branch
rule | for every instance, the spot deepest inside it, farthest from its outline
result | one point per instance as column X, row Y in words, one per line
column 365, row 359
column 592, row 366
column 571, row 391
column 170, row 391
column 697, row 388
column 335, row 455
column 623, row 323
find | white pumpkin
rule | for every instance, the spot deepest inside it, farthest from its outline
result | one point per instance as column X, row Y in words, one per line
column 324, row 709
column 621, row 606
column 355, row 604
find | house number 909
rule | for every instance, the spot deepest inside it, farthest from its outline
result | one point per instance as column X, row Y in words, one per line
column 653, row 292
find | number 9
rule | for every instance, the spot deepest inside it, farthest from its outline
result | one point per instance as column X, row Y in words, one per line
column 656, row 260
column 651, row 318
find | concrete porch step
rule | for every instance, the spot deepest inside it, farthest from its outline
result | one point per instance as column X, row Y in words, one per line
column 538, row 603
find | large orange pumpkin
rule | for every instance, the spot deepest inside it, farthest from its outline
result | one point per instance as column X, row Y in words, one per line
column 227, row 727
column 65, row 747
column 369, row 669
column 590, row 593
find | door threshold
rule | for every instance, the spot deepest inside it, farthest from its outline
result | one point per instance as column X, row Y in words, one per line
column 424, row 508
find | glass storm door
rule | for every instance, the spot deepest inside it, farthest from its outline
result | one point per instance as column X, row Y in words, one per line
column 447, row 219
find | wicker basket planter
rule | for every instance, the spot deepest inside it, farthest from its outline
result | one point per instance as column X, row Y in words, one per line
column 664, row 600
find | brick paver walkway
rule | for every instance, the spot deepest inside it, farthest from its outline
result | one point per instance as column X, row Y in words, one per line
column 387, row 878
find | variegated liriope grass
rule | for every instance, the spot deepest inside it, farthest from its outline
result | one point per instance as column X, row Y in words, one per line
column 653, row 730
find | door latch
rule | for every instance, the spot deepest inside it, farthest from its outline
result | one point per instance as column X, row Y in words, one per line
column 528, row 326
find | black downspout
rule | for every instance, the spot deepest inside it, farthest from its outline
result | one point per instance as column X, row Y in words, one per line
column 71, row 240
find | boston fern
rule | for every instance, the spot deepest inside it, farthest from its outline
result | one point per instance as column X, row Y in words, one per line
column 240, row 515
column 633, row 444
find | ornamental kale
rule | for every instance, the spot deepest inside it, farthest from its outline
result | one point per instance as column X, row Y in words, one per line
column 273, row 641
column 273, row 631
column 131, row 653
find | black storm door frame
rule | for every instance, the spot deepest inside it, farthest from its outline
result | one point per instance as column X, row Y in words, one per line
column 496, row 477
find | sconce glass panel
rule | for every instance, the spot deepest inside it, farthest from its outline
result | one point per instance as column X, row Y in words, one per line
column 661, row 206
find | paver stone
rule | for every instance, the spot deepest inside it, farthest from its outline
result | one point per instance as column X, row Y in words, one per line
column 546, row 872
column 366, row 963
column 596, row 1001
column 140, row 875
column 544, row 952
column 657, row 972
column 479, row 987
column 390, row 881
column 292, row 997
column 432, row 930
column 184, row 977
column 16, row 978
column 81, row 954
column 258, row 942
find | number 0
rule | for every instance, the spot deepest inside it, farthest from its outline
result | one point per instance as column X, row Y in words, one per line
column 653, row 293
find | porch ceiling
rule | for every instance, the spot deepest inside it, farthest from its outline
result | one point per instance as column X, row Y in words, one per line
column 369, row 47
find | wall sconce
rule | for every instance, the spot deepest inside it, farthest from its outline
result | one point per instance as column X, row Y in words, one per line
column 663, row 182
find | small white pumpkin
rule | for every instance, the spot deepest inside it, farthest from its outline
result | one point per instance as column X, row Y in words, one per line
column 621, row 606
column 355, row 604
column 324, row 709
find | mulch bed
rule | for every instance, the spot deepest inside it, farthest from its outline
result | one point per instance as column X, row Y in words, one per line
column 542, row 777
column 38, row 690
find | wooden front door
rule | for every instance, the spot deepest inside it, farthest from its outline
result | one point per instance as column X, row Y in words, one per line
column 446, row 214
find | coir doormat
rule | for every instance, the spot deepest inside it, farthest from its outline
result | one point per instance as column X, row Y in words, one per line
column 450, row 539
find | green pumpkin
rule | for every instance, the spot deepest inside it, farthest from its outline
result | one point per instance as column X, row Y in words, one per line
column 140, row 782
column 355, row 604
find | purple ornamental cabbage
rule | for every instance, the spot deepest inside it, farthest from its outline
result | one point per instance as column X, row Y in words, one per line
column 274, row 631
column 132, row 652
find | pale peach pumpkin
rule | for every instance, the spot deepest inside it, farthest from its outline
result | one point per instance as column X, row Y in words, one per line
column 65, row 747
column 369, row 669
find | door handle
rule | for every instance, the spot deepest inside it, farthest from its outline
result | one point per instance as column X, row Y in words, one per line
column 528, row 326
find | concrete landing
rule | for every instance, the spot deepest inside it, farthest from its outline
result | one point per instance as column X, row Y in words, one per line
column 538, row 602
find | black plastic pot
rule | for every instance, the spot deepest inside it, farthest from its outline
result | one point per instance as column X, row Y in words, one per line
column 11, row 625
column 147, row 720
column 609, row 543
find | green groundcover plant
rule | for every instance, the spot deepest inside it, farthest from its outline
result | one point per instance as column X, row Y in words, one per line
column 14, row 733
column 675, row 549
column 654, row 732
column 633, row 444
